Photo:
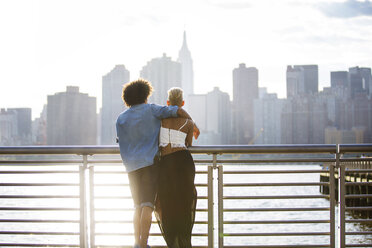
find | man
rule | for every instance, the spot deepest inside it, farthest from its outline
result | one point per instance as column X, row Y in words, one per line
column 138, row 133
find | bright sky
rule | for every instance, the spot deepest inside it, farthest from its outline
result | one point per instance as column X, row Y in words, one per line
column 46, row 45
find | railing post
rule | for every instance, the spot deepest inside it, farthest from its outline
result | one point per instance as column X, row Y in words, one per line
column 341, row 200
column 332, row 204
column 83, row 206
column 220, row 206
column 91, row 206
column 210, row 207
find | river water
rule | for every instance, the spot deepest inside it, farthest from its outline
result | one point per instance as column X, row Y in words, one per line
column 113, row 215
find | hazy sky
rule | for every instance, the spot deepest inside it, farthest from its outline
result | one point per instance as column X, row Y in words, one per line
column 47, row 45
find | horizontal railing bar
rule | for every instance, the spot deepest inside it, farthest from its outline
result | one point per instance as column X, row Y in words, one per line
column 359, row 221
column 109, row 172
column 358, row 245
column 276, row 222
column 41, row 162
column 37, row 233
column 152, row 246
column 36, row 184
column 358, row 183
column 358, row 208
column 79, row 150
column 119, row 161
column 203, row 161
column 358, row 233
column 273, row 184
column 278, row 246
column 124, row 172
column 38, row 172
column 114, row 149
column 275, row 171
column 130, row 222
column 277, row 234
column 352, row 148
column 357, row 170
column 36, row 196
column 113, row 197
column 105, row 161
column 37, row 221
column 36, row 209
column 132, row 209
column 303, row 148
column 111, row 184
column 359, row 196
column 129, row 197
column 234, row 161
column 276, row 161
column 355, row 159
column 274, row 197
column 151, row 234
column 268, row 149
column 273, row 209
column 36, row 245
column 127, row 184
column 199, row 161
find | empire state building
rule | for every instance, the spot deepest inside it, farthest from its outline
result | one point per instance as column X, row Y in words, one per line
column 184, row 58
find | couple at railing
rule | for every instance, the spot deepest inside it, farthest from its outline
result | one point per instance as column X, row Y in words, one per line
column 153, row 143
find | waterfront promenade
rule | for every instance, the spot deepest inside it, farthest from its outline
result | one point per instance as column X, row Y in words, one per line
column 248, row 196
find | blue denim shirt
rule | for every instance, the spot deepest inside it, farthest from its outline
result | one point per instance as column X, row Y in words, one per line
column 138, row 129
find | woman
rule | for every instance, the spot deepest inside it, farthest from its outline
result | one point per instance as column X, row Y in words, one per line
column 176, row 198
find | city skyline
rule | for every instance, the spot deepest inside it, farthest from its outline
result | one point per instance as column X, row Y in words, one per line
column 99, row 107
column 43, row 51
column 341, row 113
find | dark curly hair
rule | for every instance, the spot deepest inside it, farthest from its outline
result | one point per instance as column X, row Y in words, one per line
column 136, row 92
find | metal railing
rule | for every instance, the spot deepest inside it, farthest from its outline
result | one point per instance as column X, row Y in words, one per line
column 83, row 166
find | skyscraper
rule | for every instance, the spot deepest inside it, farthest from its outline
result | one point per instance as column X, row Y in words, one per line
column 8, row 127
column 295, row 121
column 15, row 126
column 163, row 73
column 302, row 80
column 245, row 90
column 303, row 120
column 339, row 79
column 360, row 81
column 267, row 114
column 295, row 78
column 24, row 125
column 112, row 104
column 39, row 128
column 187, row 72
column 311, row 77
column 218, row 115
column 71, row 118
column 361, row 115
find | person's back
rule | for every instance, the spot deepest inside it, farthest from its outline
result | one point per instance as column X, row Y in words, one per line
column 181, row 138
column 139, row 128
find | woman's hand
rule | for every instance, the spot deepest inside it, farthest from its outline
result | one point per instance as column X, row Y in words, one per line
column 196, row 131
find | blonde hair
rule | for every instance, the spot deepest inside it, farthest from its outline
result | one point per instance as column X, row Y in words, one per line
column 175, row 96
